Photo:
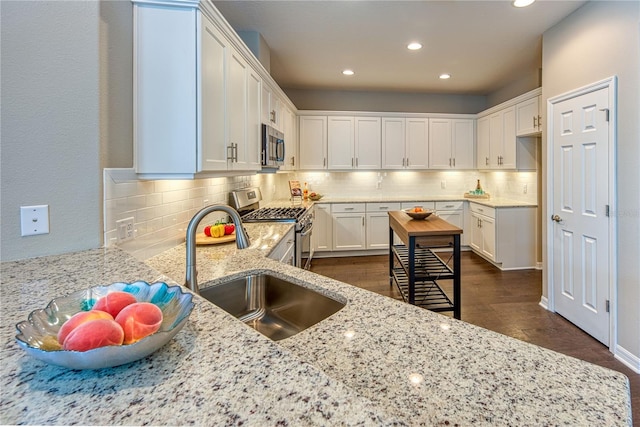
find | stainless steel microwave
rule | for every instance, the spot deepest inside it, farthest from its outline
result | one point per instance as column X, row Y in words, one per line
column 272, row 147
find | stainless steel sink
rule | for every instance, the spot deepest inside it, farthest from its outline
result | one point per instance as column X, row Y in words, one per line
column 274, row 307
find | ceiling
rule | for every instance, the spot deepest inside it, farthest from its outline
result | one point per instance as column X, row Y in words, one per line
column 484, row 45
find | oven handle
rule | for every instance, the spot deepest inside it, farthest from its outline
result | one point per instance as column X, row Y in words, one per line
column 306, row 230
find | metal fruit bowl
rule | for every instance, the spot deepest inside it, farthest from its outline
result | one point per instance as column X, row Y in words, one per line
column 38, row 334
column 418, row 215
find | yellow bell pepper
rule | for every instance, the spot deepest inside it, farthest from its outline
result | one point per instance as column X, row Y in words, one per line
column 217, row 230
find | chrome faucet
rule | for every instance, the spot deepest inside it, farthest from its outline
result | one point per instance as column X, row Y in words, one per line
column 242, row 239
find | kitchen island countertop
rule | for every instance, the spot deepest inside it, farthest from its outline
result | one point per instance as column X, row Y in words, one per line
column 375, row 362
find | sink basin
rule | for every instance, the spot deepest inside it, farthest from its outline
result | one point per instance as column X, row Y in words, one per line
column 274, row 307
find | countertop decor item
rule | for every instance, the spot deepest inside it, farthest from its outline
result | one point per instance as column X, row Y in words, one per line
column 315, row 197
column 421, row 214
column 38, row 334
column 201, row 239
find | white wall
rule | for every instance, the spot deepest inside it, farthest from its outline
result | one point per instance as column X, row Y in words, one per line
column 600, row 40
column 50, row 124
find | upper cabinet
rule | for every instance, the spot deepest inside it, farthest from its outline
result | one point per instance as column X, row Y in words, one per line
column 498, row 144
column 272, row 109
column 313, row 142
column 529, row 117
column 353, row 142
column 451, row 144
column 198, row 94
column 290, row 130
column 405, row 143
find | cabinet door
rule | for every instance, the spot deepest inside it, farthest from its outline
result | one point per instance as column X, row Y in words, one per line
column 340, row 137
column 368, row 143
column 313, row 142
column 528, row 117
column 378, row 230
column 484, row 143
column 237, row 111
column 495, row 140
column 417, row 143
column 456, row 218
column 488, row 227
column 290, row 140
column 265, row 111
column 476, row 233
column 393, row 143
column 440, row 148
column 322, row 235
column 254, row 128
column 462, row 145
column 508, row 156
column 348, row 231
column 212, row 154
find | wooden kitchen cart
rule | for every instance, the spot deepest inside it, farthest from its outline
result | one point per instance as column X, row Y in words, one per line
column 416, row 266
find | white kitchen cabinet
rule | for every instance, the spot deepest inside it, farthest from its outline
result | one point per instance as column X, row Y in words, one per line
column 285, row 250
column 243, row 115
column 183, row 81
column 498, row 146
column 378, row 224
column 290, row 130
column 453, row 213
column 451, row 143
column 340, row 142
column 353, row 142
column 322, row 235
column 529, row 117
column 313, row 142
column 272, row 109
column 504, row 235
column 349, row 226
column 405, row 143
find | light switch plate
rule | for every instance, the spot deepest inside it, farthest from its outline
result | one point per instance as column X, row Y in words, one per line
column 34, row 220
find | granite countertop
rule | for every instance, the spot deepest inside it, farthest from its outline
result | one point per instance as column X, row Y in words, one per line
column 375, row 362
column 495, row 202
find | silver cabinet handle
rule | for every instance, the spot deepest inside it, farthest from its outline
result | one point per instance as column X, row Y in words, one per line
column 454, row 162
column 534, row 122
column 486, row 161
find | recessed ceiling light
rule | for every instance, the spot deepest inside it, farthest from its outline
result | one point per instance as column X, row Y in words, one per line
column 445, row 76
column 348, row 72
column 414, row 46
column 522, row 3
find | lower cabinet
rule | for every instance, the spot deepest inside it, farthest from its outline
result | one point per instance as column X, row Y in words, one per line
column 378, row 224
column 504, row 236
column 349, row 227
column 285, row 251
column 322, row 235
column 453, row 213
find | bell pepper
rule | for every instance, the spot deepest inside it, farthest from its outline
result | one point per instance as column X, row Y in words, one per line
column 217, row 230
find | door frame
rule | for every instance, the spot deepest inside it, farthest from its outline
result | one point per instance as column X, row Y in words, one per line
column 612, row 84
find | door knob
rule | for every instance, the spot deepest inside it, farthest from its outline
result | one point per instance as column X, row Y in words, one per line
column 556, row 218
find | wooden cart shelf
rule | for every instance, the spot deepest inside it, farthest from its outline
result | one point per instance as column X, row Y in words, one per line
column 416, row 269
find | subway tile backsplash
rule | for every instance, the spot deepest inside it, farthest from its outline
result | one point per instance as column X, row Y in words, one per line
column 161, row 209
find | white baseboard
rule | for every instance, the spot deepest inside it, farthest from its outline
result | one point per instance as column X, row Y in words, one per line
column 627, row 358
column 544, row 302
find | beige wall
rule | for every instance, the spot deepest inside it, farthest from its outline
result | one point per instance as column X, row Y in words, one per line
column 50, row 124
column 600, row 40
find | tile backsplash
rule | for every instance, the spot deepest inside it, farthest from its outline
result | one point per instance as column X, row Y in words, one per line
column 161, row 209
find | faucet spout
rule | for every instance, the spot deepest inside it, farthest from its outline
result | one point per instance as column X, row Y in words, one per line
column 242, row 239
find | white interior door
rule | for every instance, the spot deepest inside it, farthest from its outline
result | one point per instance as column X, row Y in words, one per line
column 580, row 224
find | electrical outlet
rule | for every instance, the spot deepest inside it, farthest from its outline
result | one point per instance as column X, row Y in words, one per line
column 443, row 185
column 125, row 229
column 524, row 189
column 34, row 220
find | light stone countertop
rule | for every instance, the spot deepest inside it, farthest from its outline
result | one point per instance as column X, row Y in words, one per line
column 375, row 362
column 495, row 202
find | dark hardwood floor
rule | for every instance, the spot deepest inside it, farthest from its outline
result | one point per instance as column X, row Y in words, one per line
column 503, row 301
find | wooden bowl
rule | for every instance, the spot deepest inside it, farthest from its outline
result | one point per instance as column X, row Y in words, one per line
column 418, row 215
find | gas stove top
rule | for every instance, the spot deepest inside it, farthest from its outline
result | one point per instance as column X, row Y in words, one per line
column 288, row 214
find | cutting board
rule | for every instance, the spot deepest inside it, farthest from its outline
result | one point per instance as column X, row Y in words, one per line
column 202, row 239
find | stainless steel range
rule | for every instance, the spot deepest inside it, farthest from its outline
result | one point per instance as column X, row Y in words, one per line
column 247, row 203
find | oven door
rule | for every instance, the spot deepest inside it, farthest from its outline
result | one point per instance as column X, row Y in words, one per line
column 304, row 247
